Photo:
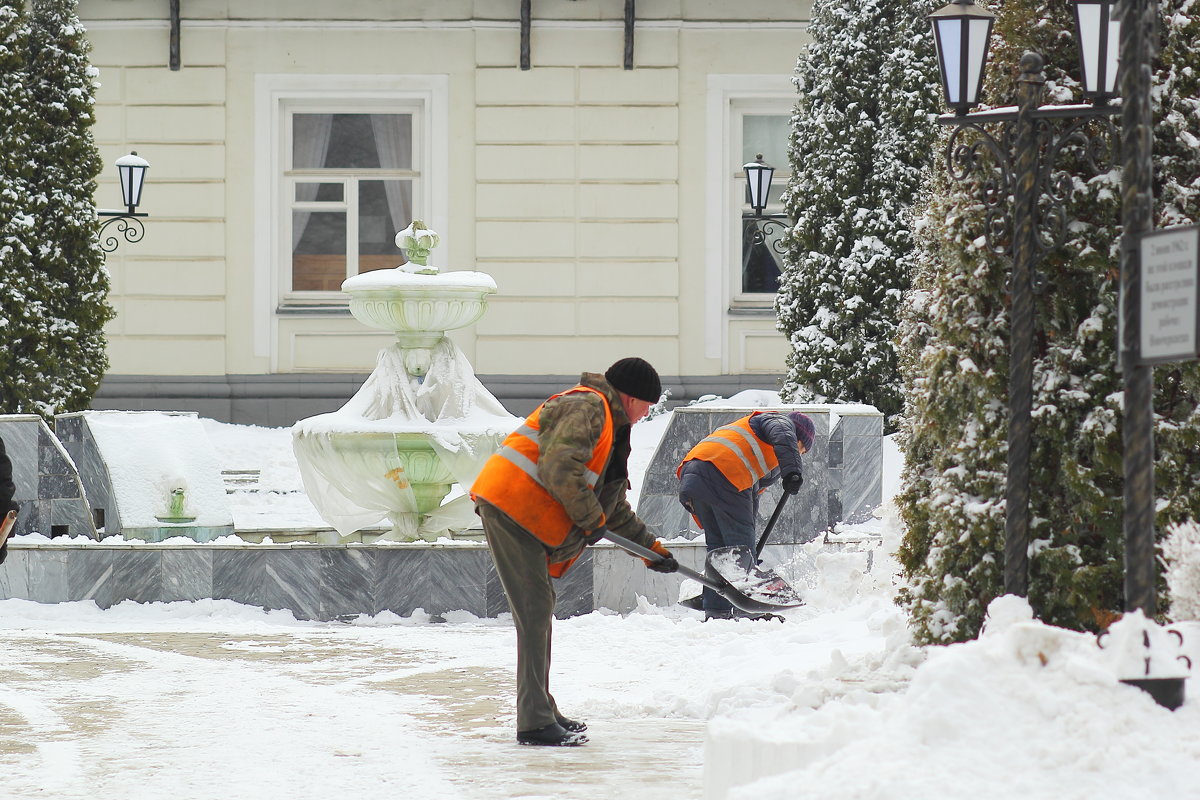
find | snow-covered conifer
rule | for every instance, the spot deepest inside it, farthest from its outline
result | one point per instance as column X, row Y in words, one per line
column 57, row 365
column 954, row 337
column 18, row 304
column 861, row 139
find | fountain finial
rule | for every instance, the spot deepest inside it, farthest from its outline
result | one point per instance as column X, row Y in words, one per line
column 416, row 241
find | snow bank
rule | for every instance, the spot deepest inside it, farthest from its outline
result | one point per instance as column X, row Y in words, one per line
column 1027, row 710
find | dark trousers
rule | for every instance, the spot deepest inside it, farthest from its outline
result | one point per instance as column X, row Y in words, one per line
column 521, row 565
column 722, row 529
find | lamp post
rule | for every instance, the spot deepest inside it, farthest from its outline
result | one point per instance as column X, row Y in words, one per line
column 1138, row 40
column 132, row 171
column 1023, row 148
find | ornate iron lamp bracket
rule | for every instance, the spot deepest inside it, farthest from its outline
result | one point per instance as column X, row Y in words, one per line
column 763, row 225
column 989, row 157
column 126, row 226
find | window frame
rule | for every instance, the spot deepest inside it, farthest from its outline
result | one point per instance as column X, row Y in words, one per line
column 728, row 98
column 741, row 107
column 349, row 178
column 276, row 98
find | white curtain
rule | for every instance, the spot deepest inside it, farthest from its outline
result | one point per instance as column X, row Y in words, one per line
column 310, row 143
column 393, row 141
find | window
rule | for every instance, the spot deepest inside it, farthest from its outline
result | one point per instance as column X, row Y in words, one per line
column 744, row 115
column 341, row 163
column 352, row 181
column 759, row 128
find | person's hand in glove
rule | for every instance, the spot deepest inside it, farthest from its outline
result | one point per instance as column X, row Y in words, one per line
column 668, row 562
column 792, row 482
column 596, row 534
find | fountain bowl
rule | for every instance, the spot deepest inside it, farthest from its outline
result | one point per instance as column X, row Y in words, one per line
column 394, row 463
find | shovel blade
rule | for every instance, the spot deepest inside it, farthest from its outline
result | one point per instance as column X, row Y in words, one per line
column 757, row 588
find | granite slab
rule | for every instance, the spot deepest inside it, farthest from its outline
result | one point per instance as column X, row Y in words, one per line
column 49, row 492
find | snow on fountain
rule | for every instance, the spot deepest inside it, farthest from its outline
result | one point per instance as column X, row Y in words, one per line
column 422, row 421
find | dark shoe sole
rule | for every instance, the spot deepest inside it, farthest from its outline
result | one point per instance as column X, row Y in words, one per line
column 570, row 740
column 552, row 735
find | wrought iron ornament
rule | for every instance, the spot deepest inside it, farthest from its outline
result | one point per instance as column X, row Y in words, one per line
column 762, row 228
column 128, row 227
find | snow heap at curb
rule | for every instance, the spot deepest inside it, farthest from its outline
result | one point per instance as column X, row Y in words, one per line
column 1026, row 711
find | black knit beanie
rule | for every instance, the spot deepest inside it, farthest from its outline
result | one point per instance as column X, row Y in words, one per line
column 636, row 378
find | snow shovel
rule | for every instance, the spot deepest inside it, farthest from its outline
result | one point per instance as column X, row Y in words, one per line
column 697, row 601
column 755, row 592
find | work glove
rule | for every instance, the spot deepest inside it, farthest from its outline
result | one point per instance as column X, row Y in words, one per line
column 668, row 562
column 792, row 482
column 596, row 533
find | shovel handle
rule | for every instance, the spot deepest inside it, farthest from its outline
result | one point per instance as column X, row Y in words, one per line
column 762, row 540
column 650, row 555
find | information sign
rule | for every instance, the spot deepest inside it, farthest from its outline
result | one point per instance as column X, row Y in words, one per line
column 1170, row 313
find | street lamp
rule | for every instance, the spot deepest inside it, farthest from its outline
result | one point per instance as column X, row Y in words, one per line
column 760, row 226
column 962, row 31
column 1029, row 138
column 1099, row 37
column 758, row 183
column 132, row 171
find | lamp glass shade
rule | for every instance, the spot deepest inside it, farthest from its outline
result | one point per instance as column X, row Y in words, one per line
column 1099, row 38
column 962, row 32
column 132, row 170
column 758, row 181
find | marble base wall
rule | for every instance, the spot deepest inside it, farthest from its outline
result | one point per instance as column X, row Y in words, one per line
column 843, row 473
column 314, row 582
column 322, row 582
column 48, row 488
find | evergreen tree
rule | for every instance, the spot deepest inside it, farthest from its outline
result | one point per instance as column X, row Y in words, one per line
column 59, row 361
column 18, row 303
column 861, row 140
column 954, row 338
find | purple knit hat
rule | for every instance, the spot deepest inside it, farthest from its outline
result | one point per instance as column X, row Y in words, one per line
column 806, row 432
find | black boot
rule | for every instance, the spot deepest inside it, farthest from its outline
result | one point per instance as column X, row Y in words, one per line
column 572, row 725
column 710, row 614
column 552, row 735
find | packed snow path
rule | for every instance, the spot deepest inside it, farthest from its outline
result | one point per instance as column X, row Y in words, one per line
column 211, row 699
column 299, row 714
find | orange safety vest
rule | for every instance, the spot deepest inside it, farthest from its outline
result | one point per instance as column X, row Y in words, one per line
column 737, row 452
column 510, row 482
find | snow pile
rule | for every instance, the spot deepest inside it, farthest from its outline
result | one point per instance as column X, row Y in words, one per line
column 1181, row 549
column 273, row 496
column 1027, row 710
column 145, row 477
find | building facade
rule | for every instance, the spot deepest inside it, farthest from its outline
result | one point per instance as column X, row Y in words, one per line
column 586, row 153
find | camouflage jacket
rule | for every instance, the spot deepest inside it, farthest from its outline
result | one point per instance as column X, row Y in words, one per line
column 570, row 427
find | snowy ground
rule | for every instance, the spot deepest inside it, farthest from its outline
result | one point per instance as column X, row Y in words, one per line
column 214, row 700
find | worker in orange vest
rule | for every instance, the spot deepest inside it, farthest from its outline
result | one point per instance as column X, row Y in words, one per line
column 557, row 482
column 721, row 478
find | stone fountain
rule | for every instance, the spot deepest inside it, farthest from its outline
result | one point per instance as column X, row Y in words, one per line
column 422, row 422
